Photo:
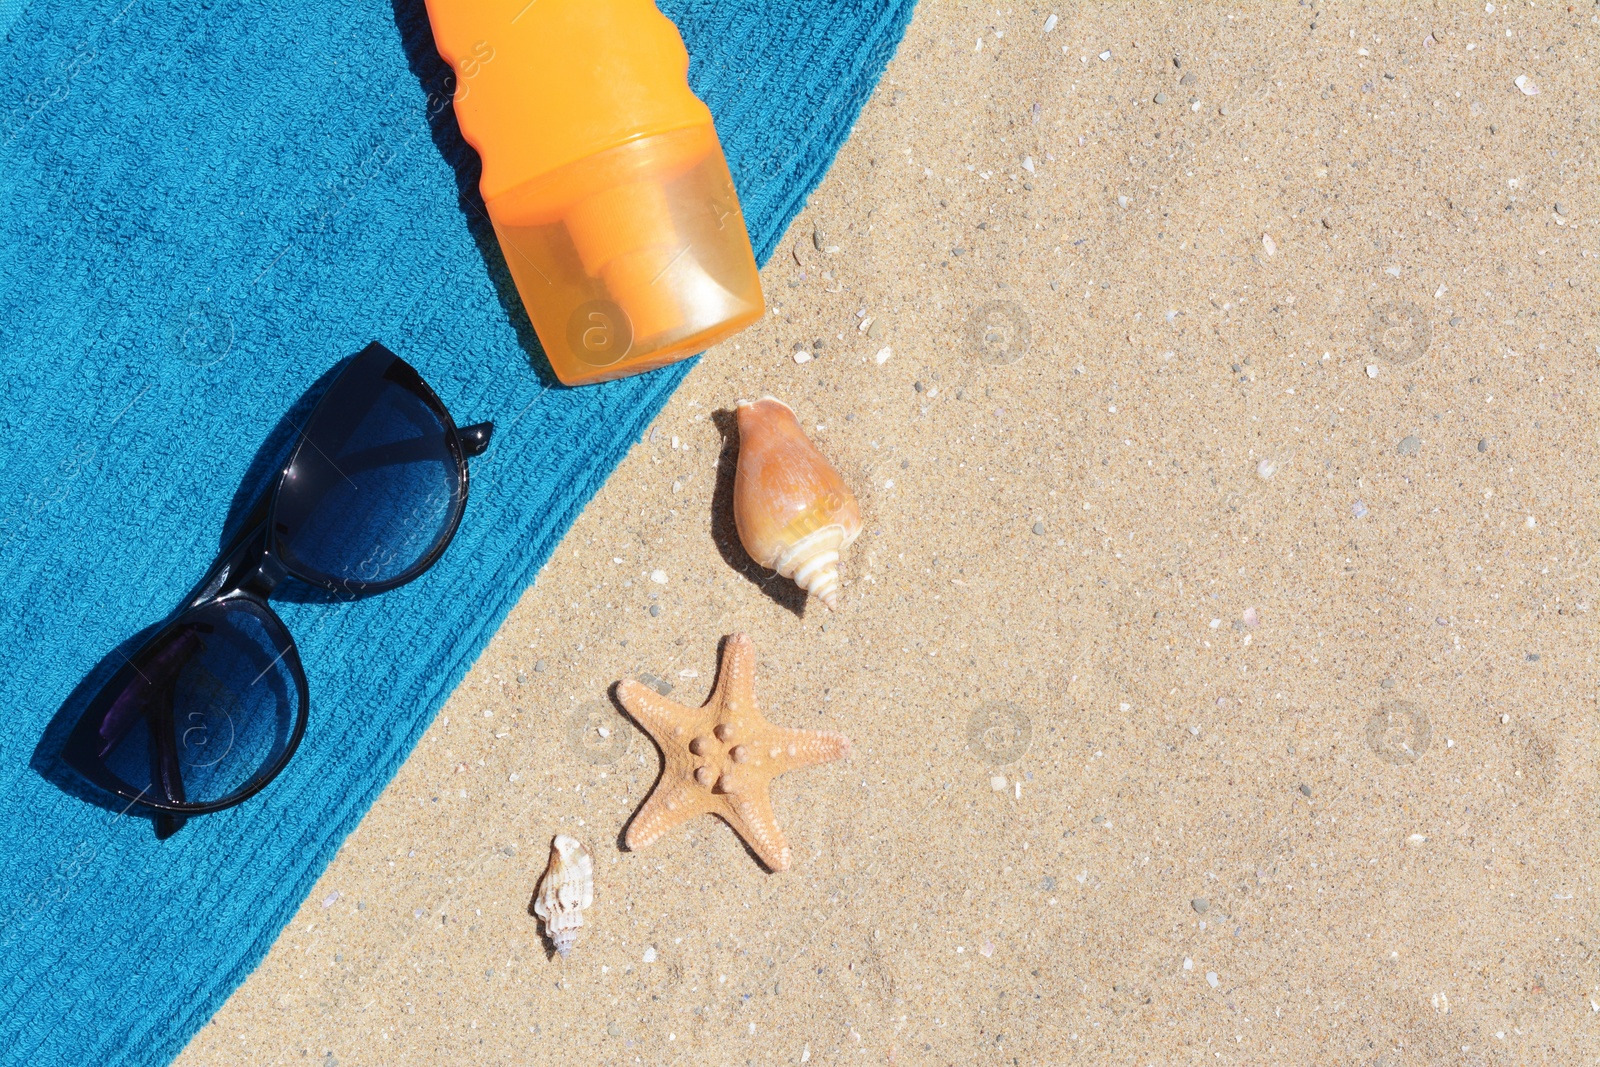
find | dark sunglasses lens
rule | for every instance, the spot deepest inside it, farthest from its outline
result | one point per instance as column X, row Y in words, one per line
column 208, row 710
column 374, row 488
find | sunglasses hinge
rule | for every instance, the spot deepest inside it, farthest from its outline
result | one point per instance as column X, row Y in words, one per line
column 475, row 438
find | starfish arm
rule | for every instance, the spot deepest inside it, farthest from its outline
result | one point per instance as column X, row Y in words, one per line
column 672, row 802
column 751, row 816
column 736, row 674
column 804, row 748
column 650, row 709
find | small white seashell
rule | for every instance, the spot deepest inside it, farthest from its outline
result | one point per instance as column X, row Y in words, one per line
column 1524, row 83
column 1269, row 244
column 565, row 890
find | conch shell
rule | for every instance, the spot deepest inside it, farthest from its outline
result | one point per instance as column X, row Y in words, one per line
column 565, row 890
column 793, row 511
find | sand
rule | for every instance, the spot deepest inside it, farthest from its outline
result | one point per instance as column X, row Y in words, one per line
column 1218, row 657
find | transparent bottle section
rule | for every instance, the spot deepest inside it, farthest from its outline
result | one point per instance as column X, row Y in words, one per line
column 633, row 258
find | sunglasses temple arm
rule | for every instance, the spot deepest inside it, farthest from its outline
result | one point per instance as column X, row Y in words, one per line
column 163, row 735
column 474, row 439
column 169, row 823
column 168, row 778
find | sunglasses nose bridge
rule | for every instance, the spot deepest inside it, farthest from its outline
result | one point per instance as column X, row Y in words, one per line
column 250, row 567
column 475, row 438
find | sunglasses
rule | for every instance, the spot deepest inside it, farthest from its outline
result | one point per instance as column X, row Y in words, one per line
column 211, row 708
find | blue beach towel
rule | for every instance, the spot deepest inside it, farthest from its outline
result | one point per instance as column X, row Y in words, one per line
column 203, row 207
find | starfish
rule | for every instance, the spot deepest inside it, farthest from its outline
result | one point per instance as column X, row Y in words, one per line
column 722, row 757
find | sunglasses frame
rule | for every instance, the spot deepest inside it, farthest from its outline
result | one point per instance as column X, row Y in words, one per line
column 247, row 570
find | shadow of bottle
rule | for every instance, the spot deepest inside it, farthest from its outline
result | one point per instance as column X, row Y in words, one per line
column 438, row 83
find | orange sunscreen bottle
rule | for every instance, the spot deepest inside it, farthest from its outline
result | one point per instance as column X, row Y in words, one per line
column 604, row 179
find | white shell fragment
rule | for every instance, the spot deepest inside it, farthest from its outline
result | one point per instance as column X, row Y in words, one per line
column 1525, row 83
column 565, row 890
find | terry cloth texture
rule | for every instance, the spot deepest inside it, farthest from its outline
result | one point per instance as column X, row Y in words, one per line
column 9, row 10
column 203, row 207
